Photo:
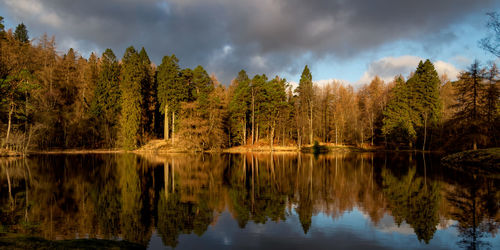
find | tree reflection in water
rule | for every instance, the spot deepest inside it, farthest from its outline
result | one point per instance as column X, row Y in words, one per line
column 126, row 196
column 476, row 210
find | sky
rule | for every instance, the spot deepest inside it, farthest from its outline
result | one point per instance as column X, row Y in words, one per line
column 349, row 41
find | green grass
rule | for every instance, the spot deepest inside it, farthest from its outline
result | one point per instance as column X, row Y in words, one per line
column 482, row 161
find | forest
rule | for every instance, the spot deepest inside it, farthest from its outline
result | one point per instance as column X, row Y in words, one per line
column 53, row 100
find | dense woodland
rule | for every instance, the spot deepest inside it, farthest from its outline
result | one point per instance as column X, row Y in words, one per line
column 50, row 100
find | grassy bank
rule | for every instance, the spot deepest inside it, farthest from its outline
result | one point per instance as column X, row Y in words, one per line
column 77, row 151
column 482, row 161
column 160, row 146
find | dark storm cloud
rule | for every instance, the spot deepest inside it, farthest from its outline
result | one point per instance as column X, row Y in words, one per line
column 268, row 36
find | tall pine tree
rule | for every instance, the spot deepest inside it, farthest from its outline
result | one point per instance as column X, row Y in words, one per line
column 397, row 122
column 469, row 93
column 148, row 92
column 306, row 94
column 239, row 107
column 106, row 101
column 415, row 105
column 21, row 33
column 425, row 99
column 171, row 90
column 131, row 101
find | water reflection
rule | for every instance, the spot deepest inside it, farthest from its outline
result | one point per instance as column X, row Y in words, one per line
column 131, row 197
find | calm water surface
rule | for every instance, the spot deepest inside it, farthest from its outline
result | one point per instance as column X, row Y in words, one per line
column 292, row 201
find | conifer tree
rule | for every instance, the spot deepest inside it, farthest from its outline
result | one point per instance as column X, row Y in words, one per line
column 274, row 104
column 91, row 75
column 491, row 104
column 171, row 90
column 187, row 80
column 469, row 92
column 239, row 107
column 418, row 104
column 2, row 27
column 202, row 85
column 257, row 95
column 106, row 101
column 148, row 92
column 425, row 102
column 306, row 94
column 397, row 121
column 131, row 101
column 21, row 33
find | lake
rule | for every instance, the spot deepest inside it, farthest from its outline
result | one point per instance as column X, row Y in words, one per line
column 265, row 201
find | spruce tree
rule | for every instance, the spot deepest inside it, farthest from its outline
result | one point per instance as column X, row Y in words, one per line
column 417, row 103
column 425, row 102
column 21, row 33
column 171, row 90
column 131, row 101
column 2, row 27
column 469, row 92
column 306, row 94
column 106, row 101
column 491, row 104
column 274, row 104
column 397, row 122
column 148, row 92
column 239, row 107
column 257, row 95
column 187, row 79
column 202, row 85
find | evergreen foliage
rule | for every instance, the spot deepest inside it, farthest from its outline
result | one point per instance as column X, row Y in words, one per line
column 397, row 114
column 49, row 100
column 106, row 102
column 415, row 105
column 471, row 115
column 239, row 107
column 130, row 99
column 305, row 92
column 2, row 27
column 21, row 33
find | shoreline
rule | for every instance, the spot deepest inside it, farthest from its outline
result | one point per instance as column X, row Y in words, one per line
column 77, row 151
column 325, row 149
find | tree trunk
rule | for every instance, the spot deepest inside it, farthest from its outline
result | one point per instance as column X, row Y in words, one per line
column 425, row 131
column 283, row 139
column 257, row 133
column 336, row 135
column 272, row 137
column 371, row 126
column 26, row 112
column 9, row 122
column 311, row 135
column 244, row 131
column 29, row 140
column 299, row 139
column 166, row 124
column 253, row 118
column 173, row 126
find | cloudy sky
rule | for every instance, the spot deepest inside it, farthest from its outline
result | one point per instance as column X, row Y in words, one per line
column 339, row 39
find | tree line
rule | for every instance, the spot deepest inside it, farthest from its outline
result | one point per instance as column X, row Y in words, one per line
column 54, row 100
